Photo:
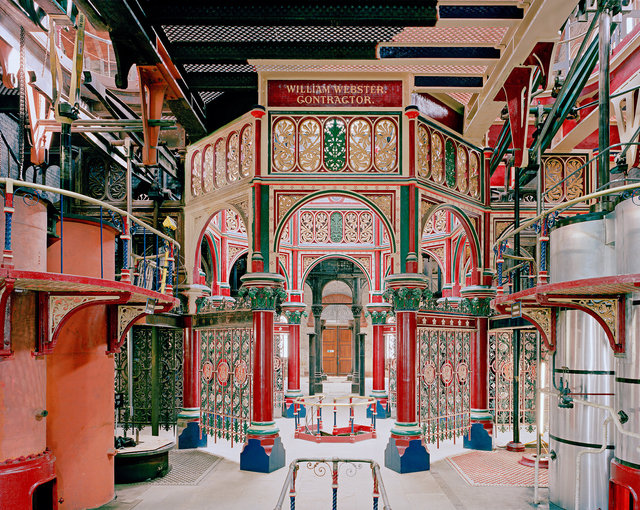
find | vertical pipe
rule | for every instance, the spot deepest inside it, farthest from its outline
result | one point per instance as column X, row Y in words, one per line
column 604, row 40
column 157, row 277
column 312, row 363
column 361, row 337
column 101, row 254
column 516, row 333
column 155, row 381
column 61, row 233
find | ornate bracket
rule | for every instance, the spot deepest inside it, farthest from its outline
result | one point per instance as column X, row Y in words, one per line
column 55, row 309
column 6, row 288
column 120, row 320
column 544, row 320
column 609, row 312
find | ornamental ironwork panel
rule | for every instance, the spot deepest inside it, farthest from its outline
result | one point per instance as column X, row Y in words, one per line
column 447, row 161
column 160, row 387
column 443, row 383
column 279, row 368
column 226, row 354
column 391, row 369
column 335, row 144
column 501, row 378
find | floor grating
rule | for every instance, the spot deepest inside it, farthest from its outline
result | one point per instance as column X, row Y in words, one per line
column 188, row 467
column 496, row 468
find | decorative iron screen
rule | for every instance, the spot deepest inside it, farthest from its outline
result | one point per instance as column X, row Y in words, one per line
column 443, row 383
column 226, row 374
column 391, row 367
column 160, row 387
column 279, row 369
column 501, row 378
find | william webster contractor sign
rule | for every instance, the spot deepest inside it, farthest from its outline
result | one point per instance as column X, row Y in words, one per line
column 335, row 93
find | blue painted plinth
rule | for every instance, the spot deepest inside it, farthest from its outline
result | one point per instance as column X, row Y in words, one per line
column 478, row 438
column 289, row 411
column 254, row 457
column 190, row 437
column 382, row 412
column 414, row 458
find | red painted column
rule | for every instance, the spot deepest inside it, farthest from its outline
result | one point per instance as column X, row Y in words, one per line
column 294, row 313
column 262, row 412
column 379, row 313
column 405, row 291
column 263, row 451
column 188, row 426
column 480, row 435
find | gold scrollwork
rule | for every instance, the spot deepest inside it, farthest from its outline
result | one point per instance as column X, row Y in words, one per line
column 284, row 145
column 386, row 150
column 196, row 173
column 461, row 170
column 552, row 176
column 607, row 309
column 574, row 183
column 437, row 165
column 423, row 151
column 309, row 145
column 359, row 145
column 474, row 175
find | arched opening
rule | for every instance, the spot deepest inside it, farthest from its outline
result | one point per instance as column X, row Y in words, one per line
column 222, row 255
column 450, row 251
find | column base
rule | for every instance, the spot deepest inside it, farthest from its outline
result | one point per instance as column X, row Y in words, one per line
column 406, row 455
column 382, row 408
column 512, row 446
column 289, row 409
column 263, row 454
column 479, row 438
column 188, row 430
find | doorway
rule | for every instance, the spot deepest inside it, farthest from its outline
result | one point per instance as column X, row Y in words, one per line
column 337, row 345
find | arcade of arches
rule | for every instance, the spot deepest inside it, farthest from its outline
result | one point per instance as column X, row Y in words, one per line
column 288, row 229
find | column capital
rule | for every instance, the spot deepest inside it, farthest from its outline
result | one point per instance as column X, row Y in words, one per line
column 262, row 290
column 379, row 312
column 293, row 311
column 192, row 293
column 406, row 290
column 316, row 310
column 477, row 300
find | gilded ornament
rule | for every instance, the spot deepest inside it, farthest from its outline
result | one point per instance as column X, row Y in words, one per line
column 386, row 145
column 423, row 148
column 359, row 145
column 284, row 145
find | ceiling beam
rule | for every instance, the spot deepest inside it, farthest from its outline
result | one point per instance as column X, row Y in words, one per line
column 241, row 13
column 450, row 82
column 439, row 52
column 204, row 53
column 222, row 81
column 541, row 22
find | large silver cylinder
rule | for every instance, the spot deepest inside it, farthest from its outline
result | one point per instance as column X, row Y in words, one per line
column 627, row 386
column 584, row 361
column 584, row 249
column 627, row 236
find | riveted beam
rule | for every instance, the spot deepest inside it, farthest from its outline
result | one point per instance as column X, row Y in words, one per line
column 204, row 53
column 398, row 13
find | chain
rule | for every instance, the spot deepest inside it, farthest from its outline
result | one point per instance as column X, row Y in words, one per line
column 22, row 113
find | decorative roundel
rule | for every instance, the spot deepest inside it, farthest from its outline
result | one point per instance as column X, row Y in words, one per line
column 429, row 372
column 240, row 373
column 277, row 363
column 223, row 372
column 462, row 371
column 506, row 369
column 207, row 370
column 446, row 372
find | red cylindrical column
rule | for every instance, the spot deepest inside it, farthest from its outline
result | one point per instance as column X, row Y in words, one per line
column 378, row 357
column 406, row 451
column 293, row 364
column 406, row 323
column 479, row 364
column 263, row 451
column 191, row 366
column 262, row 367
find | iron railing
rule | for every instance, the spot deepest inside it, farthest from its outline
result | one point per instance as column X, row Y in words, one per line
column 322, row 466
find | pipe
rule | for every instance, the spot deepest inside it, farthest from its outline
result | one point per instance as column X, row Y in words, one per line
column 564, row 205
column 604, row 48
column 590, row 452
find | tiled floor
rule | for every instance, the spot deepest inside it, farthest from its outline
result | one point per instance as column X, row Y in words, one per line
column 226, row 487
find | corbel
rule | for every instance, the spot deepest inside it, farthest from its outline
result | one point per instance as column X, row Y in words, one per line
column 55, row 309
column 120, row 319
column 544, row 320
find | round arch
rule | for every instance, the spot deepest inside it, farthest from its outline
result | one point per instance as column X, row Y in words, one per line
column 203, row 230
column 344, row 193
column 364, row 270
column 472, row 236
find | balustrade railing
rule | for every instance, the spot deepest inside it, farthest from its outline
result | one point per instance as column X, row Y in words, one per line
column 322, row 466
column 154, row 269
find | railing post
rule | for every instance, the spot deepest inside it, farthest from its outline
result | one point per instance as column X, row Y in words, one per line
column 126, row 239
column 7, row 254
column 334, row 485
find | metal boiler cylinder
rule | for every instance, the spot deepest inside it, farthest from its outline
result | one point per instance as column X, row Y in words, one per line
column 584, row 361
column 627, row 387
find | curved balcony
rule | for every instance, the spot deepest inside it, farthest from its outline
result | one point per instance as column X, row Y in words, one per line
column 73, row 262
